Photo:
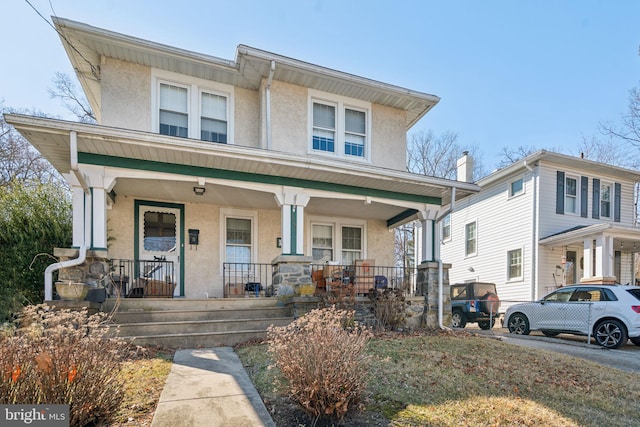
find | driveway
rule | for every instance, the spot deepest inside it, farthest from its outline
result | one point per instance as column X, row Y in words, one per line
column 626, row 358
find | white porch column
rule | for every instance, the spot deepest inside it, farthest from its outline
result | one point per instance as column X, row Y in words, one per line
column 429, row 247
column 600, row 249
column 99, row 208
column 78, row 201
column 587, row 256
column 607, row 257
column 292, row 202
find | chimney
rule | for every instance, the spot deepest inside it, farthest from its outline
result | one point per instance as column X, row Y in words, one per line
column 465, row 167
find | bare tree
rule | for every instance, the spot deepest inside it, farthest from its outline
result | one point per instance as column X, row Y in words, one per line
column 629, row 130
column 65, row 89
column 511, row 155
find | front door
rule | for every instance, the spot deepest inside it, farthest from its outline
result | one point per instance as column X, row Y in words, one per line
column 160, row 238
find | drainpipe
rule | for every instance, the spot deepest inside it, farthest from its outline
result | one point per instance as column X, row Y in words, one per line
column 440, row 269
column 82, row 251
column 268, row 95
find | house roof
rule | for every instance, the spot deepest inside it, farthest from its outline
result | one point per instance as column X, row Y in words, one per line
column 597, row 168
column 85, row 45
column 108, row 146
column 622, row 235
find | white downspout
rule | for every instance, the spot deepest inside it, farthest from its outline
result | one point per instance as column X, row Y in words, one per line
column 268, row 96
column 440, row 271
column 534, row 239
column 82, row 251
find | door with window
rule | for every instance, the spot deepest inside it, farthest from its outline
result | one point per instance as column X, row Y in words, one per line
column 159, row 239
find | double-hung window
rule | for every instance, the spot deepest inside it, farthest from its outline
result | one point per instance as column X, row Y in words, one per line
column 238, row 240
column 339, row 126
column 322, row 242
column 351, row 244
column 446, row 227
column 337, row 240
column 514, row 259
column 471, row 239
column 174, row 110
column 605, row 200
column 213, row 121
column 571, row 195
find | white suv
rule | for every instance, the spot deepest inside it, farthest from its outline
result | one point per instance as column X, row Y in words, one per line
column 610, row 313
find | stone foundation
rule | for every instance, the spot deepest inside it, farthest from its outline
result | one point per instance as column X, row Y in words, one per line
column 94, row 267
column 289, row 273
column 427, row 286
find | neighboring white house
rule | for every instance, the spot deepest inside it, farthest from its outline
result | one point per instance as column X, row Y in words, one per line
column 543, row 222
column 208, row 162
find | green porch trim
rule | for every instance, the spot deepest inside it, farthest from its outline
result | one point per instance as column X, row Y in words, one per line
column 294, row 230
column 136, row 228
column 148, row 165
column 400, row 217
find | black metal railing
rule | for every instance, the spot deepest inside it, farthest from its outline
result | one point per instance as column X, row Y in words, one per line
column 363, row 276
column 141, row 278
column 247, row 279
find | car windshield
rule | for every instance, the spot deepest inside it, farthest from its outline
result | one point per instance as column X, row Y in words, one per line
column 482, row 289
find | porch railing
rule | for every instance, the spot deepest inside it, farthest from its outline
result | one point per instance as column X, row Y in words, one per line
column 247, row 279
column 141, row 278
column 363, row 277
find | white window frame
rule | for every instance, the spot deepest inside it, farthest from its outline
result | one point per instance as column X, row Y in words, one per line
column 466, row 239
column 333, row 237
column 337, row 224
column 195, row 87
column 577, row 195
column 446, row 238
column 240, row 214
column 521, row 276
column 519, row 193
column 611, row 198
column 341, row 104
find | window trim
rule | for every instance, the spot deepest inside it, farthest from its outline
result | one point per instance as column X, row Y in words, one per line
column 475, row 253
column 240, row 214
column 519, row 278
column 577, row 195
column 510, row 189
column 341, row 104
column 337, row 224
column 195, row 87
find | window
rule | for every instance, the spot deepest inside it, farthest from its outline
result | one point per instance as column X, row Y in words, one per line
column 516, row 187
column 446, row 227
column 351, row 244
column 514, row 259
column 238, row 240
column 605, row 200
column 159, row 231
column 213, row 123
column 470, row 239
column 322, row 243
column 174, row 113
column 355, row 133
column 324, row 127
column 571, row 195
column 336, row 239
column 339, row 126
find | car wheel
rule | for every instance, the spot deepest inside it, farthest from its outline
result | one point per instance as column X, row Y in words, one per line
column 486, row 325
column 457, row 319
column 635, row 341
column 610, row 333
column 489, row 304
column 551, row 333
column 518, row 324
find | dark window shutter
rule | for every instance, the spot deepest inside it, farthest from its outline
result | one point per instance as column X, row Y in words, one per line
column 584, row 195
column 617, row 200
column 596, row 199
column 560, row 192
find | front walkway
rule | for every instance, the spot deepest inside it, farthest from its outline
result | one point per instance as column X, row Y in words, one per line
column 209, row 387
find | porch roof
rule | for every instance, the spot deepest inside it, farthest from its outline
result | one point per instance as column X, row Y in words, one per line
column 114, row 147
column 85, row 45
column 625, row 238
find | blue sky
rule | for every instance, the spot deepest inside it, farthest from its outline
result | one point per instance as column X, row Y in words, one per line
column 510, row 73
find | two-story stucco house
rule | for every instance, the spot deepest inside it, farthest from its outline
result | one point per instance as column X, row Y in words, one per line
column 215, row 165
column 543, row 222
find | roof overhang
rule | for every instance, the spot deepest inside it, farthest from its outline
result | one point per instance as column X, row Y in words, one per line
column 119, row 148
column 577, row 235
column 86, row 45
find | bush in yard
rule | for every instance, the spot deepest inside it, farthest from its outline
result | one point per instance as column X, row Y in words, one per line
column 389, row 308
column 62, row 357
column 321, row 355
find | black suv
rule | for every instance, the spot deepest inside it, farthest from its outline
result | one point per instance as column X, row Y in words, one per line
column 474, row 302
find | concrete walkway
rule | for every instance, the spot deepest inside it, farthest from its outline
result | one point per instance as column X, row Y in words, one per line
column 209, row 387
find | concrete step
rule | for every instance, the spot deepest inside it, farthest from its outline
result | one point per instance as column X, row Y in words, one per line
column 199, row 340
column 157, row 304
column 198, row 326
column 142, row 316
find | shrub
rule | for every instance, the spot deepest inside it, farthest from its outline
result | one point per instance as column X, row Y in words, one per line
column 389, row 308
column 62, row 357
column 321, row 355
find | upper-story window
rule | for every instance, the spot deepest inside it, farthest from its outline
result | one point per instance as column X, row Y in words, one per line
column 339, row 126
column 446, row 227
column 571, row 195
column 516, row 187
column 191, row 108
column 471, row 239
column 605, row 200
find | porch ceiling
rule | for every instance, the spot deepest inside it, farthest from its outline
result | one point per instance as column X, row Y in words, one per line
column 133, row 150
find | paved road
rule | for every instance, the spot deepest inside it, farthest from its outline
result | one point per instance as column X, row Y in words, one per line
column 627, row 358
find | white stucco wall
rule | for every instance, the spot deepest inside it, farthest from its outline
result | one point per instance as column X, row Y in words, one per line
column 289, row 118
column 247, row 117
column 126, row 96
column 389, row 142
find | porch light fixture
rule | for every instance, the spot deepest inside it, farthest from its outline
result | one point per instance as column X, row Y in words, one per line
column 199, row 191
